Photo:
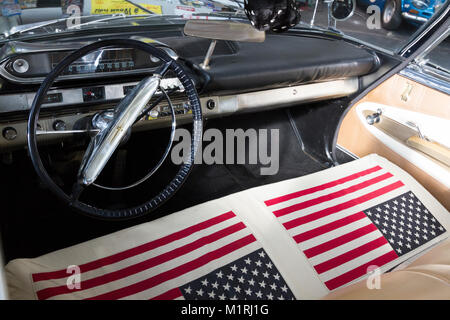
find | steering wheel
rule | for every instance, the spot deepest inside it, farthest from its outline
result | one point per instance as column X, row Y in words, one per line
column 105, row 142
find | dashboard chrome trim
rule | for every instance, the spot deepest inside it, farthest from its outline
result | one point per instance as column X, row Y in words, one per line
column 422, row 76
column 224, row 106
column 113, row 92
column 34, row 80
column 277, row 98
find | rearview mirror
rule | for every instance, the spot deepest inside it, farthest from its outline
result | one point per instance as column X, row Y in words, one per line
column 342, row 9
column 223, row 30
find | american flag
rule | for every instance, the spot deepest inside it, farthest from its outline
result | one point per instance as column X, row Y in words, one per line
column 219, row 256
column 253, row 277
column 339, row 239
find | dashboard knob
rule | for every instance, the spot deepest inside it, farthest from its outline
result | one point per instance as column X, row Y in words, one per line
column 210, row 104
column 59, row 125
column 20, row 65
column 154, row 114
column 102, row 119
column 9, row 133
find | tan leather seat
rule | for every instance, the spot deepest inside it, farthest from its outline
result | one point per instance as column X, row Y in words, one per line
column 428, row 277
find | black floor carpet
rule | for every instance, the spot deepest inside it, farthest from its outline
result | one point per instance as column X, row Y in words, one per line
column 33, row 222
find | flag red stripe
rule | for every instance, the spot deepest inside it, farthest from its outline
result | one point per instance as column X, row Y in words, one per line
column 175, row 272
column 360, row 271
column 331, row 196
column 329, row 227
column 136, row 250
column 169, row 295
column 342, row 206
column 143, row 265
column 320, row 187
column 334, row 243
column 350, row 255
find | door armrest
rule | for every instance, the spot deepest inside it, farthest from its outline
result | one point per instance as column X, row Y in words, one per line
column 433, row 149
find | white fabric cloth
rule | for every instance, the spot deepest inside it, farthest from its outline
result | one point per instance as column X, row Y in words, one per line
column 282, row 220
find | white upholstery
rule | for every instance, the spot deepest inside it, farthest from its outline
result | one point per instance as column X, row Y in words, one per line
column 249, row 208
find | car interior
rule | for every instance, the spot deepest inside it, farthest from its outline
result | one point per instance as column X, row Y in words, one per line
column 90, row 119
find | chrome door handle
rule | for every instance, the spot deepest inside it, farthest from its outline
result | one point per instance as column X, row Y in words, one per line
column 374, row 118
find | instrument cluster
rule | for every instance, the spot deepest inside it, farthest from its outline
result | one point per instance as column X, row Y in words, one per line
column 29, row 67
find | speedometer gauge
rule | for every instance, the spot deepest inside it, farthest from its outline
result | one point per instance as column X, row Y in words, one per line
column 110, row 60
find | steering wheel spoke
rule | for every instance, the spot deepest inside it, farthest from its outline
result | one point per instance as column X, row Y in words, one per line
column 162, row 70
column 66, row 132
column 106, row 142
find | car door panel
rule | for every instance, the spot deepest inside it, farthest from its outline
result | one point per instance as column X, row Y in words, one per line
column 404, row 104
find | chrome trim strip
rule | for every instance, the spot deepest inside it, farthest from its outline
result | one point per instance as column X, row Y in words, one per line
column 225, row 105
column 23, row 101
column 287, row 96
column 4, row 73
column 406, row 50
column 412, row 17
column 420, row 59
column 13, row 48
column 410, row 72
column 347, row 152
column 103, row 145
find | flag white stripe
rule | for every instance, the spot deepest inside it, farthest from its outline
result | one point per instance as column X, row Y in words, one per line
column 154, row 271
column 330, row 254
column 346, row 212
column 140, row 276
column 179, row 281
column 141, row 257
column 324, row 192
column 337, row 201
column 350, row 265
column 194, row 274
column 334, row 233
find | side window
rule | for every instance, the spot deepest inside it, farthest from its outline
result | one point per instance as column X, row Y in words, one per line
column 386, row 24
column 432, row 67
column 439, row 57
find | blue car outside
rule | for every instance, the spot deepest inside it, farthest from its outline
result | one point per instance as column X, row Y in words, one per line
column 413, row 11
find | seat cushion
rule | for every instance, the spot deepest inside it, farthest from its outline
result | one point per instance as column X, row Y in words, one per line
column 297, row 239
column 428, row 277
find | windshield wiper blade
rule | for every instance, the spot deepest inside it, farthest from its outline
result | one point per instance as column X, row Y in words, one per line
column 113, row 17
column 32, row 26
column 28, row 27
column 141, row 7
column 306, row 26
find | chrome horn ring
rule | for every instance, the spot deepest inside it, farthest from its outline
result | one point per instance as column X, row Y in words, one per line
column 101, row 148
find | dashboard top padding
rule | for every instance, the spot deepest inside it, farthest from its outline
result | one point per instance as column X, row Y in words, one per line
column 284, row 60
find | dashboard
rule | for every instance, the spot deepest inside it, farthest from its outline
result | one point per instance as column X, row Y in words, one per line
column 244, row 77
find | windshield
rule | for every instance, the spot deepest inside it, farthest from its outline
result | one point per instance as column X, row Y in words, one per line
column 25, row 17
column 386, row 24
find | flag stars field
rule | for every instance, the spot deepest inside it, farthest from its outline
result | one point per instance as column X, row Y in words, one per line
column 260, row 282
